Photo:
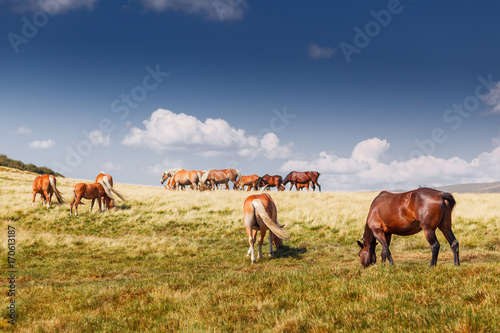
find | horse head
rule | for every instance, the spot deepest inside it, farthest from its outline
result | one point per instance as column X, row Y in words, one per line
column 163, row 177
column 367, row 253
column 281, row 187
column 277, row 242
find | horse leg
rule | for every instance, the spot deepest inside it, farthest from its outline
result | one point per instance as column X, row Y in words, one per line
column 261, row 241
column 386, row 253
column 445, row 228
column 33, row 202
column 100, row 200
column 45, row 192
column 271, row 244
column 251, row 240
column 92, row 205
column 430, row 235
column 388, row 240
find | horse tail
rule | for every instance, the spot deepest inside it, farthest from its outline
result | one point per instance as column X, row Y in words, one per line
column 449, row 199
column 204, row 177
column 58, row 194
column 273, row 226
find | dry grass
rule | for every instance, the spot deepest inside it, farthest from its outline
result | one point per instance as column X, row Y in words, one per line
column 174, row 261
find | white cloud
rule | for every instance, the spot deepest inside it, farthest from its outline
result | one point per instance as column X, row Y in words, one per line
column 97, row 138
column 365, row 170
column 167, row 164
column 23, row 130
column 44, row 144
column 492, row 98
column 166, row 130
column 110, row 166
column 317, row 52
column 208, row 9
column 49, row 6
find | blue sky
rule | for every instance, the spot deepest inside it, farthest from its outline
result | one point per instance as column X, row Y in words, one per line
column 373, row 95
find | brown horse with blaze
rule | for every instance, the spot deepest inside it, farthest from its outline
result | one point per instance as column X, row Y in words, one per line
column 406, row 214
column 45, row 185
column 260, row 214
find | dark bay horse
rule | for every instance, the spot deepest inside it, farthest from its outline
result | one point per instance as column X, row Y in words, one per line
column 91, row 192
column 406, row 214
column 268, row 181
column 45, row 185
column 260, row 214
column 296, row 177
column 250, row 181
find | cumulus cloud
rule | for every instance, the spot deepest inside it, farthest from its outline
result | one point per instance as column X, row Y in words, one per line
column 317, row 52
column 492, row 98
column 97, row 138
column 166, row 130
column 43, row 144
column 23, row 130
column 110, row 166
column 208, row 9
column 366, row 169
column 50, row 6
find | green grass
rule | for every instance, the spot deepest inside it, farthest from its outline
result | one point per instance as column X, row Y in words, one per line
column 175, row 261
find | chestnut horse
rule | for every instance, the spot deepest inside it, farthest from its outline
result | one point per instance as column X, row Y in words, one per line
column 90, row 192
column 406, row 214
column 224, row 176
column 260, row 214
column 296, row 177
column 300, row 186
column 169, row 173
column 107, row 183
column 268, row 181
column 250, row 181
column 183, row 177
column 45, row 185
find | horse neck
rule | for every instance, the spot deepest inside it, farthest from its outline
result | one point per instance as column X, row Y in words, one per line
column 368, row 238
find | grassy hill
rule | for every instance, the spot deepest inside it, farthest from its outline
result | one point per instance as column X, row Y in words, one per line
column 10, row 163
column 175, row 261
column 473, row 188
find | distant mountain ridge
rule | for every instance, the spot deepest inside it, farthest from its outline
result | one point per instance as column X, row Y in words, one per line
column 493, row 187
column 10, row 163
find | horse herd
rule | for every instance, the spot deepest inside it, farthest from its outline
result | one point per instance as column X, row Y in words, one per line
column 102, row 190
column 390, row 214
column 210, row 180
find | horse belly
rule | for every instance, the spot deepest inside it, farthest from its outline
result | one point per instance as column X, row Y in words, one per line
column 407, row 230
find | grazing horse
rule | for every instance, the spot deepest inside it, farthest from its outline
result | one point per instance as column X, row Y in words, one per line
column 260, row 214
column 268, row 181
column 91, row 192
column 45, row 185
column 214, row 177
column 183, row 177
column 300, row 186
column 107, row 183
column 169, row 173
column 296, row 177
column 250, row 181
column 406, row 214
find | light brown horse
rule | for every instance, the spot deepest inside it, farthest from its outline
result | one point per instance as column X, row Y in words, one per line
column 300, row 186
column 183, row 177
column 268, row 181
column 169, row 173
column 107, row 183
column 250, row 181
column 260, row 214
column 297, row 177
column 91, row 192
column 45, row 185
column 406, row 214
column 213, row 177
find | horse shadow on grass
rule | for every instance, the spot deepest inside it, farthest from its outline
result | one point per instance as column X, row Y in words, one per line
column 287, row 252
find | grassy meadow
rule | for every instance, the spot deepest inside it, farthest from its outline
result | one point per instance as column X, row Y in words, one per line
column 175, row 261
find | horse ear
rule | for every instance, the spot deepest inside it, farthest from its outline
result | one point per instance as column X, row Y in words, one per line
column 360, row 244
